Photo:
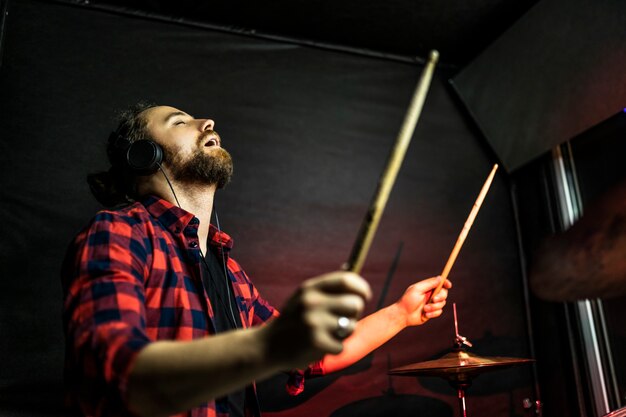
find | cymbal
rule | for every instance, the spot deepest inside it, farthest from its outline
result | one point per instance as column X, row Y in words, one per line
column 586, row 261
column 458, row 366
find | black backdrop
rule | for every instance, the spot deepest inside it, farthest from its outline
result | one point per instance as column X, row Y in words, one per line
column 309, row 131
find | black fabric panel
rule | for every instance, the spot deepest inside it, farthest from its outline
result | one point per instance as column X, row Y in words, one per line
column 309, row 131
column 4, row 11
column 408, row 28
column 557, row 72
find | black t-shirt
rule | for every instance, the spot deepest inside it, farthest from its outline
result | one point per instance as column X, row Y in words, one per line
column 225, row 314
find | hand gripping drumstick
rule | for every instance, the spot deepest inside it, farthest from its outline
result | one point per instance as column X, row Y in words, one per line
column 375, row 211
column 464, row 232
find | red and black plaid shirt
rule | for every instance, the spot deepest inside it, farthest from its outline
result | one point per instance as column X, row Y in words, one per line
column 131, row 277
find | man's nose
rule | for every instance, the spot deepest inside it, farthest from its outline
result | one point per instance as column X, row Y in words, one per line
column 208, row 124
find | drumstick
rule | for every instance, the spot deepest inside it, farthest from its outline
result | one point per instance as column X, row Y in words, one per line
column 388, row 177
column 464, row 232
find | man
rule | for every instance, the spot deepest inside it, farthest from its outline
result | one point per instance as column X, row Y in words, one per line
column 160, row 320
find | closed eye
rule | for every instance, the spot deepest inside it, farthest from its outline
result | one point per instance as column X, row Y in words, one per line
column 179, row 122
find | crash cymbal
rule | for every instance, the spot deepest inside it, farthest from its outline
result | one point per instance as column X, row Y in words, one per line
column 488, row 345
column 586, row 261
column 458, row 365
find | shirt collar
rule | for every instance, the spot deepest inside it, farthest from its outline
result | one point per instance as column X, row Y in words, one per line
column 219, row 239
column 176, row 220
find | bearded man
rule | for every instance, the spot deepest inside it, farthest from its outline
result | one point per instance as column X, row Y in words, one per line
column 160, row 319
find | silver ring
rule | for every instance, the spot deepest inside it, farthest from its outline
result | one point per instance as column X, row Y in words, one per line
column 343, row 327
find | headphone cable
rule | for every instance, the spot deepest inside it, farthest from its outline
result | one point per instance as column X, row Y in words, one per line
column 230, row 305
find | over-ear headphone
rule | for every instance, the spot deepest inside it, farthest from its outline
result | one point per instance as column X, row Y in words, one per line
column 141, row 157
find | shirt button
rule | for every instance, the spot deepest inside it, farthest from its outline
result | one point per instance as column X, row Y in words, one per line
column 194, row 244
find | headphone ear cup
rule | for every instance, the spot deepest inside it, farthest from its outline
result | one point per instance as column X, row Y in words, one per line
column 144, row 157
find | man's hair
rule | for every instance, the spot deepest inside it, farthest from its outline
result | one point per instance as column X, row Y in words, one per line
column 116, row 187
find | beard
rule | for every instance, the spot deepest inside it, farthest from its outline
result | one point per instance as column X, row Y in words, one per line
column 201, row 168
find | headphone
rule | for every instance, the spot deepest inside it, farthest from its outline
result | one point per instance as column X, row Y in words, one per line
column 141, row 157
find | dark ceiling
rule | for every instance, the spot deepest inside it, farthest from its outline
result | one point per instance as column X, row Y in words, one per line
column 459, row 29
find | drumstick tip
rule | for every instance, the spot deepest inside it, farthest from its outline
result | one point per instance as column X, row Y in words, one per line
column 433, row 56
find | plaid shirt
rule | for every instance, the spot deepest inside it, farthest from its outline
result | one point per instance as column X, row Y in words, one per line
column 131, row 277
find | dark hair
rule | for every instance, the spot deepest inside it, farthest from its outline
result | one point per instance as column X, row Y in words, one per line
column 116, row 187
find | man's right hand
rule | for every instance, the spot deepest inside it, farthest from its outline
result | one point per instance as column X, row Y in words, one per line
column 171, row 376
column 307, row 328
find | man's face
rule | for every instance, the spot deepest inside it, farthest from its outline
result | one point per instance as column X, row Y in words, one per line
column 193, row 150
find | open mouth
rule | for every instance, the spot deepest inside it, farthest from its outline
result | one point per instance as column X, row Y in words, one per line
column 212, row 142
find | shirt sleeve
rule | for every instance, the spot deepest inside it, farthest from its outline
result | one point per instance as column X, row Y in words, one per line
column 298, row 377
column 104, row 313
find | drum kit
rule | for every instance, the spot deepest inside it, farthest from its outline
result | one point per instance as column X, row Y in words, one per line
column 459, row 367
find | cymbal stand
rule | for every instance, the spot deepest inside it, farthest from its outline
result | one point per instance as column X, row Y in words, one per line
column 460, row 384
column 459, row 341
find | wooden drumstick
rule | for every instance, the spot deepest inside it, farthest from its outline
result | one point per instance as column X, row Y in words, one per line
column 387, row 179
column 464, row 232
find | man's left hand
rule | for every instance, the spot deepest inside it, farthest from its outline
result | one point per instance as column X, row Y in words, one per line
column 413, row 300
